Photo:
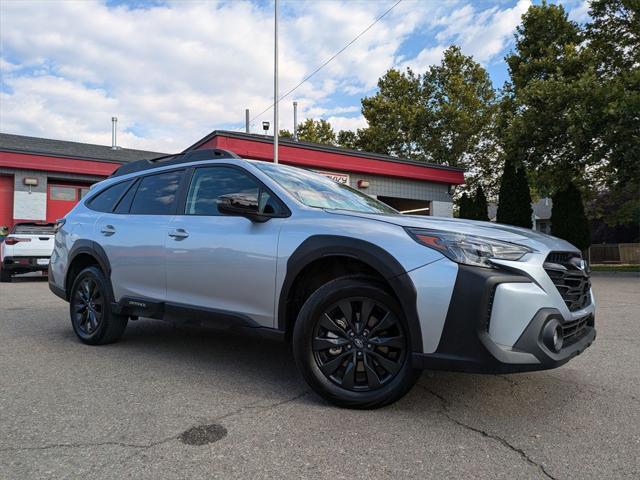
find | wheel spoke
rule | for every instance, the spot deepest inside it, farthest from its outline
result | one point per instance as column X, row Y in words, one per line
column 331, row 366
column 391, row 342
column 347, row 311
column 349, row 377
column 387, row 321
column 324, row 343
column 372, row 376
column 365, row 313
column 389, row 365
column 328, row 323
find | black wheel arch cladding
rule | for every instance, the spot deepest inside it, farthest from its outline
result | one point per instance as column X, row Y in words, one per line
column 94, row 250
column 319, row 246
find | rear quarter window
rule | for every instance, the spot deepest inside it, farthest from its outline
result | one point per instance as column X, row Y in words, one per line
column 106, row 200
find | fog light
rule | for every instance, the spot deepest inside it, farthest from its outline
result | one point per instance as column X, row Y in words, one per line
column 552, row 335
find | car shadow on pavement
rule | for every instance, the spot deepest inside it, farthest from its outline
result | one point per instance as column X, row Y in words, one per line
column 254, row 363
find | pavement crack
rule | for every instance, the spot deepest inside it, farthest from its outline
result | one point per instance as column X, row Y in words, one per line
column 446, row 412
column 143, row 446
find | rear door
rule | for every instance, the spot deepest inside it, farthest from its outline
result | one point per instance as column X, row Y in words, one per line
column 133, row 235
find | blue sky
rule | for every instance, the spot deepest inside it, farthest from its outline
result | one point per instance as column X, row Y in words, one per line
column 172, row 71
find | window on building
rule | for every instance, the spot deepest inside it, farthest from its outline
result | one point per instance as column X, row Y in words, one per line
column 157, row 194
column 83, row 192
column 106, row 200
column 67, row 194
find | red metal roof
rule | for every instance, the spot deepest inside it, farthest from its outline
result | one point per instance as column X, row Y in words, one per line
column 321, row 156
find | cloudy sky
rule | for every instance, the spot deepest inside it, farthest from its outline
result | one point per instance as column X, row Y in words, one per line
column 172, row 71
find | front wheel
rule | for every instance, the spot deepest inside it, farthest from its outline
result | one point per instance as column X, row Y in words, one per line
column 90, row 307
column 351, row 344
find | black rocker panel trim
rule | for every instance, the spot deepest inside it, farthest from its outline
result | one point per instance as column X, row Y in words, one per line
column 318, row 246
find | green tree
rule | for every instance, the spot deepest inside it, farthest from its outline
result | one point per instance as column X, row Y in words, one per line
column 568, row 220
column 480, row 208
column 348, row 139
column 514, row 202
column 316, row 131
column 445, row 116
column 549, row 99
column 465, row 207
column 613, row 42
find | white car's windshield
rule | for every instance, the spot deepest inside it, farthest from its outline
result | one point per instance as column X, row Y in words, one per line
column 316, row 190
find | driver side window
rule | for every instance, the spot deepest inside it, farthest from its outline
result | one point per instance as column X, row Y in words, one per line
column 209, row 184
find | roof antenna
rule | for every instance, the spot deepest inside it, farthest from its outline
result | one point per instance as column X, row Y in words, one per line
column 114, row 132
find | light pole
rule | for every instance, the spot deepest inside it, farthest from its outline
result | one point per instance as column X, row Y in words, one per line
column 275, row 86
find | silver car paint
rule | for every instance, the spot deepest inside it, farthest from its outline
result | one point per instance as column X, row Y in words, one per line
column 148, row 260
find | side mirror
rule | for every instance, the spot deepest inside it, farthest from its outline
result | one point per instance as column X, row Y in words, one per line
column 241, row 205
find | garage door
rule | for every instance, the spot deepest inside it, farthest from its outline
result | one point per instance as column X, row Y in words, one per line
column 6, row 201
column 61, row 198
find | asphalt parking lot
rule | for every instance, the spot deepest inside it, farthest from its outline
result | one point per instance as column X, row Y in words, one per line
column 129, row 410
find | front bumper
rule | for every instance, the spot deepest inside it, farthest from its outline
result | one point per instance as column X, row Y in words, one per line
column 466, row 344
column 25, row 264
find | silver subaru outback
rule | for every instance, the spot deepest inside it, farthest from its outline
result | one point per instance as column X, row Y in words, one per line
column 367, row 296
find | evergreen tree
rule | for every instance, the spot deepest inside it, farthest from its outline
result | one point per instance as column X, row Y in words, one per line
column 514, row 204
column 465, row 207
column 568, row 220
column 480, row 208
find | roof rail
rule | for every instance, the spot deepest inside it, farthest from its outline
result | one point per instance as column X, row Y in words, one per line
column 166, row 160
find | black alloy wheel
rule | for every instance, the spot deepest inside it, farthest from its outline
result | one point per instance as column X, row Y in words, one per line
column 359, row 344
column 87, row 306
column 351, row 343
column 90, row 301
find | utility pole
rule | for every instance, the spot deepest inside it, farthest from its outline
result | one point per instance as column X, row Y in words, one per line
column 246, row 121
column 295, row 121
column 275, row 86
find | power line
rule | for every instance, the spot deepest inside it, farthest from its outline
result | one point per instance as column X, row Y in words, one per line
column 327, row 62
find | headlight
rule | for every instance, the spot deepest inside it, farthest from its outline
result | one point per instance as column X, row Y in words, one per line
column 468, row 249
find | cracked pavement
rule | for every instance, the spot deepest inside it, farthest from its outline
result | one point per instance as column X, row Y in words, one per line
column 72, row 411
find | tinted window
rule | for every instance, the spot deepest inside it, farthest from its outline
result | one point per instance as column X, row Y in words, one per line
column 156, row 194
column 34, row 228
column 125, row 202
column 106, row 200
column 209, row 184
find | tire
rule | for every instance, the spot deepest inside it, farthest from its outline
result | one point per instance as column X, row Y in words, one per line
column 361, row 380
column 5, row 275
column 90, row 309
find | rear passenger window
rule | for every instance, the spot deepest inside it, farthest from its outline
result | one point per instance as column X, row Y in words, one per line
column 106, row 200
column 157, row 194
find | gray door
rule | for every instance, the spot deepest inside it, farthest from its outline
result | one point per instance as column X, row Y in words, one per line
column 135, row 241
column 220, row 262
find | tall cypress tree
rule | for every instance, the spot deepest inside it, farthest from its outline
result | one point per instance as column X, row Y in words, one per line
column 568, row 220
column 465, row 207
column 480, row 205
column 514, row 204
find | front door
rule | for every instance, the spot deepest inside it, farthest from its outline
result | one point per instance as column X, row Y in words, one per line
column 224, row 264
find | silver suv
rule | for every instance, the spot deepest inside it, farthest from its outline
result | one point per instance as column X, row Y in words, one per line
column 367, row 296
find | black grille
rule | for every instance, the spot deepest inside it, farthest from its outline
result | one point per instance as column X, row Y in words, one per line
column 575, row 330
column 570, row 275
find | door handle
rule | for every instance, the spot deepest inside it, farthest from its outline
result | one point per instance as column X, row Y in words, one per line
column 108, row 230
column 178, row 234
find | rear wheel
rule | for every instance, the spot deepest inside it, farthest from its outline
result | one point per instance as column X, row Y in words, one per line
column 351, row 344
column 5, row 275
column 90, row 307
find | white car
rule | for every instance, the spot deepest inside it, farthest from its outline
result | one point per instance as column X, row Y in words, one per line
column 26, row 249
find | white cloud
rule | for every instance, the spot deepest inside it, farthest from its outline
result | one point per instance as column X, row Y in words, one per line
column 174, row 72
column 347, row 123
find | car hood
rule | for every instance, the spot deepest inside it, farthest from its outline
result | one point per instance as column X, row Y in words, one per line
column 506, row 233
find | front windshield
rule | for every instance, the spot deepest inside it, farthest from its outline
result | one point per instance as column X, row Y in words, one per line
column 318, row 191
